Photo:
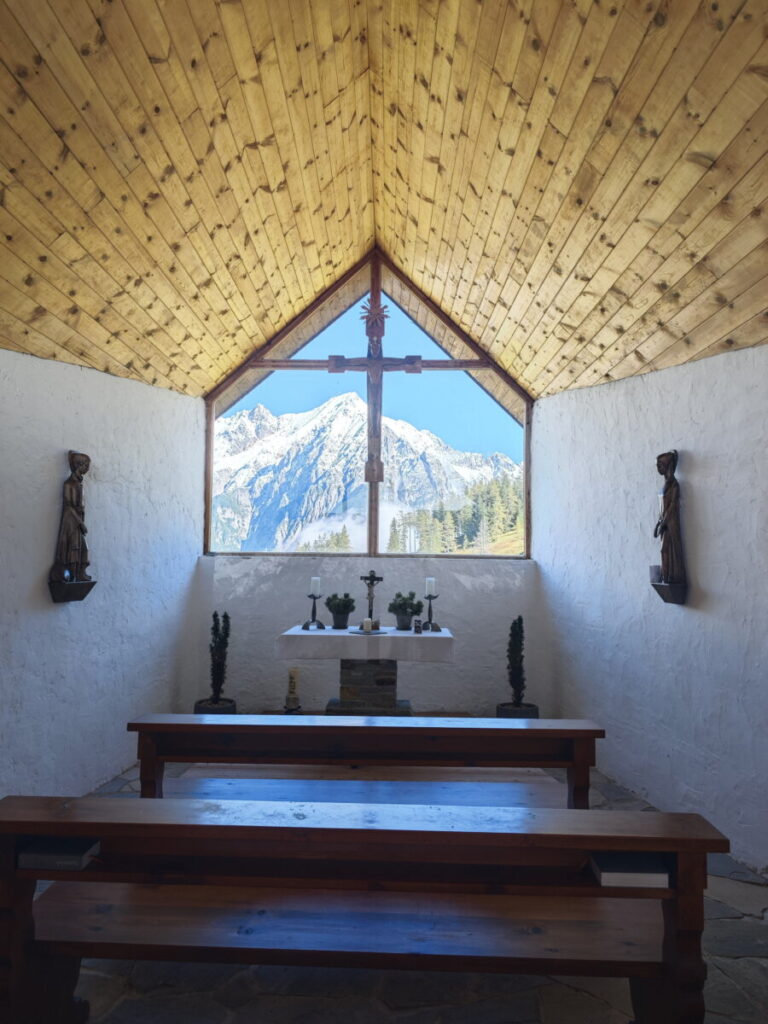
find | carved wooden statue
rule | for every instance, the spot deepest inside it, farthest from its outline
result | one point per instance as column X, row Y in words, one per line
column 668, row 525
column 71, row 549
column 370, row 581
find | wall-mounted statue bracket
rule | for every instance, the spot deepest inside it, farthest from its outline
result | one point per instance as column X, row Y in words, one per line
column 68, row 580
column 669, row 579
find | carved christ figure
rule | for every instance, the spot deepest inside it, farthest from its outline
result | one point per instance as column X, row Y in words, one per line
column 668, row 525
column 71, row 549
column 370, row 581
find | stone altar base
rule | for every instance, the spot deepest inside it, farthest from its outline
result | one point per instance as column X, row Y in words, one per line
column 368, row 688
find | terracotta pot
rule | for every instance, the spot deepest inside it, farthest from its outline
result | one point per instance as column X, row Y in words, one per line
column 225, row 706
column 508, row 710
column 340, row 620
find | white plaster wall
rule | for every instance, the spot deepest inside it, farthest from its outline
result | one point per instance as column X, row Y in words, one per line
column 682, row 691
column 479, row 597
column 73, row 674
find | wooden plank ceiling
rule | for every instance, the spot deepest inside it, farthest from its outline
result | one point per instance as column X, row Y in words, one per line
column 581, row 186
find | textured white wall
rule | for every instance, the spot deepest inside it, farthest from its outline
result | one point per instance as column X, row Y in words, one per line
column 73, row 674
column 478, row 600
column 682, row 691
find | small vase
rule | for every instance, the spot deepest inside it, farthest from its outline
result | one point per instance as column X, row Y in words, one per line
column 340, row 620
column 404, row 622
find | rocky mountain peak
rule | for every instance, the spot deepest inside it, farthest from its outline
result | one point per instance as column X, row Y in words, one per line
column 280, row 481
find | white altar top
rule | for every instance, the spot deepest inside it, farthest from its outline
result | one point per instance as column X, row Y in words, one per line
column 397, row 645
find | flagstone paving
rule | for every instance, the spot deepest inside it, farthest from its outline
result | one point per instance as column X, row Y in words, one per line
column 735, row 945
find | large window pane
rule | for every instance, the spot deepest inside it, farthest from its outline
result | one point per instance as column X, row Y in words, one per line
column 453, row 475
column 289, row 458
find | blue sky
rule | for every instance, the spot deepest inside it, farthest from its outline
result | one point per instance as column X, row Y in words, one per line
column 451, row 405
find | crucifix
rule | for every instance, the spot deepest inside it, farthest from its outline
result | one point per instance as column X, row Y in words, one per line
column 370, row 581
column 374, row 364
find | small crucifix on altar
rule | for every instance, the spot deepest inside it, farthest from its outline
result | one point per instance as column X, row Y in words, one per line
column 370, row 581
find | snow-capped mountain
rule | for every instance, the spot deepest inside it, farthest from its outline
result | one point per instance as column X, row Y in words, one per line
column 280, row 481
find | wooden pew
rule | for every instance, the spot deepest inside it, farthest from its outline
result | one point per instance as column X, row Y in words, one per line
column 315, row 739
column 423, row 888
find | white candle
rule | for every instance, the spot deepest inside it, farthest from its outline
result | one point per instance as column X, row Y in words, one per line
column 314, row 585
column 367, row 625
column 429, row 584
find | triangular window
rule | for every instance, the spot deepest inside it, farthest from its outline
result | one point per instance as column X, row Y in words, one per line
column 295, row 458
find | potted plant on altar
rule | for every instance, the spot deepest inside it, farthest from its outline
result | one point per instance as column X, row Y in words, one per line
column 340, row 608
column 216, row 704
column 404, row 607
column 516, row 673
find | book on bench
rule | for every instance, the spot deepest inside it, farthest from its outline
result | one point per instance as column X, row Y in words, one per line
column 628, row 868
column 59, row 853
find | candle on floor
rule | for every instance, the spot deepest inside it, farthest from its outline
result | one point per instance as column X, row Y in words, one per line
column 429, row 584
column 314, row 585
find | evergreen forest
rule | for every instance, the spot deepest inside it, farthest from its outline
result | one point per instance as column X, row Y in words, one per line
column 490, row 521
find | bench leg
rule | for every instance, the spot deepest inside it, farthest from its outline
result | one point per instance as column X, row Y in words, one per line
column 650, row 1001
column 578, row 786
column 669, row 1001
column 52, row 998
column 678, row 996
column 33, row 988
column 151, row 767
column 583, row 757
column 17, row 931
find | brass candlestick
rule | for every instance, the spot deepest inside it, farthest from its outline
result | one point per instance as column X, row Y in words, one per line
column 314, row 622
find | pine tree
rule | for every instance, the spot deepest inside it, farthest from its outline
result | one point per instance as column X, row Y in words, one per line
column 474, row 515
column 482, row 534
column 497, row 519
column 423, row 520
column 436, row 534
column 410, row 534
column 448, row 540
column 395, row 543
column 506, row 504
column 344, row 541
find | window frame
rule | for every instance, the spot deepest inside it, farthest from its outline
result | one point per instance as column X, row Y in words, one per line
column 318, row 315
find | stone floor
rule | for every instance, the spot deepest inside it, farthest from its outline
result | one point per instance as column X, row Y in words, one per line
column 735, row 944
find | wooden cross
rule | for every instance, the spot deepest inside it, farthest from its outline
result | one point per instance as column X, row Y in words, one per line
column 374, row 364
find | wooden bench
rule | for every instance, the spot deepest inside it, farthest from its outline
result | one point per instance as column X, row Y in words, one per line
column 423, row 888
column 315, row 739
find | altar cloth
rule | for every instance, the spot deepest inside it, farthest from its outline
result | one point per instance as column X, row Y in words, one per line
column 394, row 644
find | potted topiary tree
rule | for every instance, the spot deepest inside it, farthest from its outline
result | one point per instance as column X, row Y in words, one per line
column 404, row 607
column 216, row 704
column 340, row 608
column 516, row 708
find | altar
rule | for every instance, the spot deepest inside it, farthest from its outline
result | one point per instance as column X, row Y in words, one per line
column 368, row 673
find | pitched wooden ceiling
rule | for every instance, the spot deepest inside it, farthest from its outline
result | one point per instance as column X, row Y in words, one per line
column 581, row 186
